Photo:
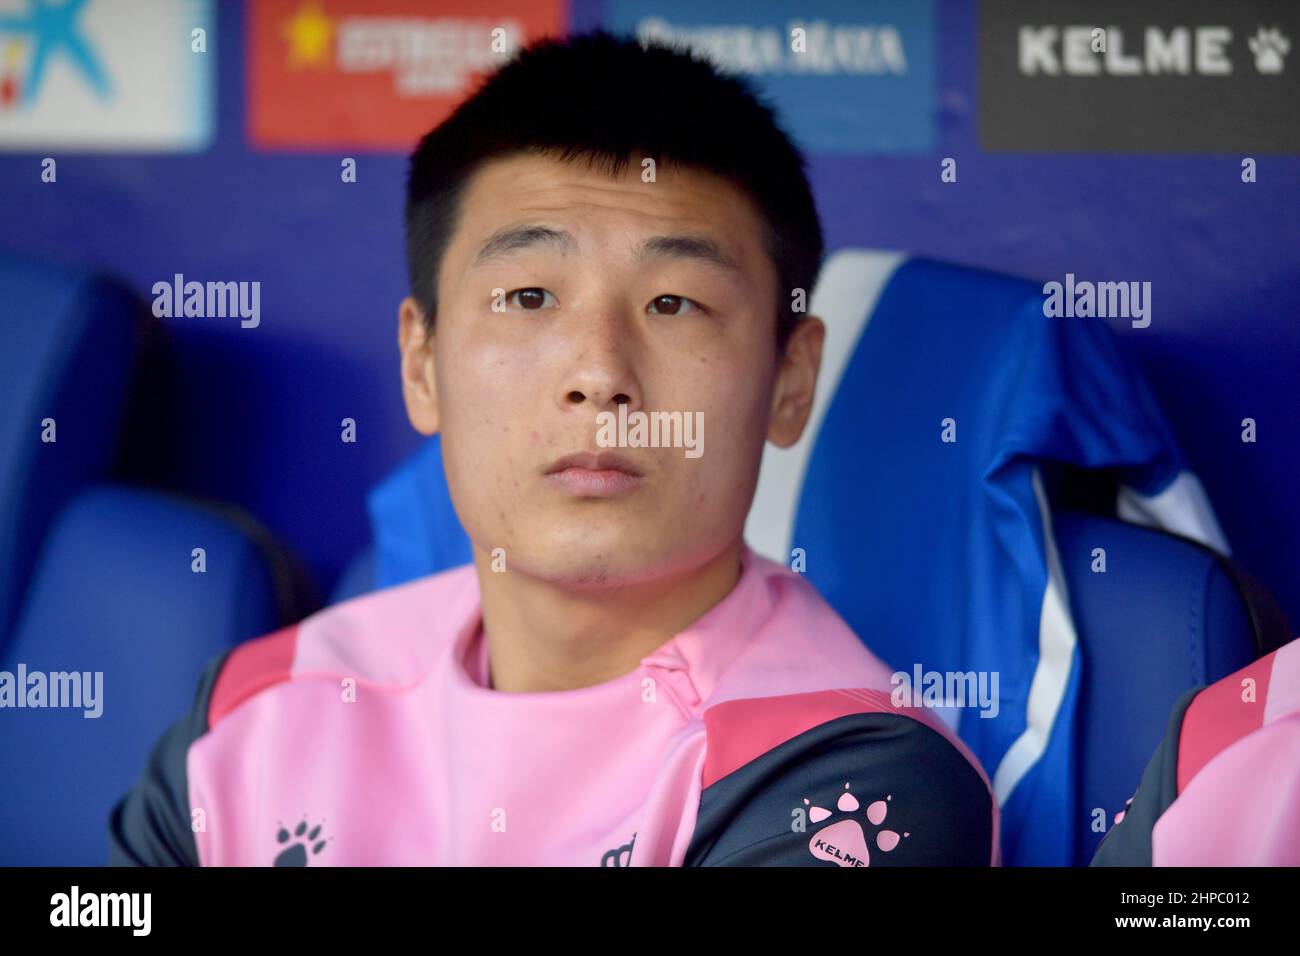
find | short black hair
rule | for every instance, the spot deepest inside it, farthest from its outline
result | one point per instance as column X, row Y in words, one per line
column 607, row 98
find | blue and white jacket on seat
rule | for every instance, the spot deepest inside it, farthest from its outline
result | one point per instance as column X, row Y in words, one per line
column 948, row 409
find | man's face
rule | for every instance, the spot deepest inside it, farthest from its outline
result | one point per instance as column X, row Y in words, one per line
column 603, row 305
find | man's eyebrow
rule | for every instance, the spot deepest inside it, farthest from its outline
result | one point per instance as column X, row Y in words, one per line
column 688, row 247
column 507, row 240
column 512, row 238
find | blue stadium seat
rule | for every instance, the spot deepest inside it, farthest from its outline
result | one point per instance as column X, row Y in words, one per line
column 357, row 578
column 70, row 338
column 115, row 592
column 1129, row 679
column 965, row 456
column 97, row 577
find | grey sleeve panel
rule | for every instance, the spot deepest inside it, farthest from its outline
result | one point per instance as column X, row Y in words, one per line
column 931, row 797
column 150, row 825
column 1128, row 843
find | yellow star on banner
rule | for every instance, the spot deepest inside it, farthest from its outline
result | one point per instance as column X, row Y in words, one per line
column 308, row 33
column 13, row 54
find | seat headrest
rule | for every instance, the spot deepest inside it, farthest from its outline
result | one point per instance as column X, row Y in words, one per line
column 70, row 338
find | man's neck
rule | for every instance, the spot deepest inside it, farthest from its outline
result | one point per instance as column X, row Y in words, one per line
column 547, row 637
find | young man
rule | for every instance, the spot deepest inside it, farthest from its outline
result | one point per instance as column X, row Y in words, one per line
column 616, row 679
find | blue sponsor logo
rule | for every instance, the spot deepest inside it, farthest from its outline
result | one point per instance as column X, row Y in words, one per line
column 844, row 77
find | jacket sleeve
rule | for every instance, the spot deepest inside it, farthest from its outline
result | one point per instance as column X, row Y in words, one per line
column 869, row 789
column 150, row 824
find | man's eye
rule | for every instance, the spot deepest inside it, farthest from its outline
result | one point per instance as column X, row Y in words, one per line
column 531, row 299
column 672, row 304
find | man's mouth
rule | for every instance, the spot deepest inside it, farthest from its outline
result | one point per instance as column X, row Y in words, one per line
column 594, row 474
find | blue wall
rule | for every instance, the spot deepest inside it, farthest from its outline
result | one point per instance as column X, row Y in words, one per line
column 261, row 407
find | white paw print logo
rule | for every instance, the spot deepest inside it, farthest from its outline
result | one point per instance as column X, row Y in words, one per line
column 1270, row 48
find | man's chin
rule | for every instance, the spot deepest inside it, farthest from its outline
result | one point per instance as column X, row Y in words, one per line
column 598, row 564
column 596, row 571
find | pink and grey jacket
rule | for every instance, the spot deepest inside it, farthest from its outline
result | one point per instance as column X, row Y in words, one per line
column 763, row 734
column 1223, row 787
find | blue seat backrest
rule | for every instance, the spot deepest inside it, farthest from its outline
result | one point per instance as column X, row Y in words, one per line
column 115, row 592
column 69, row 339
column 415, row 526
column 1156, row 614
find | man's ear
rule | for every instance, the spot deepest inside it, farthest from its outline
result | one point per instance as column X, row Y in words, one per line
column 418, row 383
column 796, row 382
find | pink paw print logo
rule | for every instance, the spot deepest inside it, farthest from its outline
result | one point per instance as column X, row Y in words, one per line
column 844, row 842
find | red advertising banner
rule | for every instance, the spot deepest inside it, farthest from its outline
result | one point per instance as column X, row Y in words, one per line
column 375, row 74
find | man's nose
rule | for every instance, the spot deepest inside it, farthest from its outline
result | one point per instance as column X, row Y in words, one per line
column 602, row 375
